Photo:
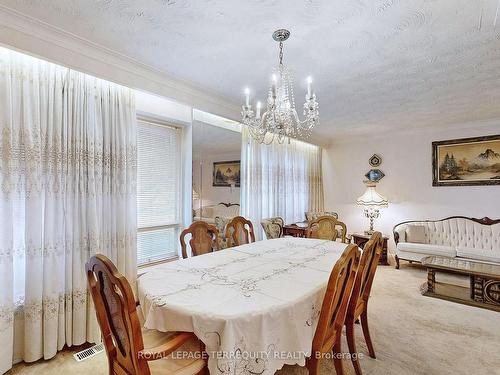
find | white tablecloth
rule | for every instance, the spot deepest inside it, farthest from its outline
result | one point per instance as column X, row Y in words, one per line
column 254, row 306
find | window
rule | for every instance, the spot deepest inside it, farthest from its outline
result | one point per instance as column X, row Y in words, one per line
column 158, row 191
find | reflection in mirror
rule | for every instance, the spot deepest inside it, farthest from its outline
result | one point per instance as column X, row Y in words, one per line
column 216, row 174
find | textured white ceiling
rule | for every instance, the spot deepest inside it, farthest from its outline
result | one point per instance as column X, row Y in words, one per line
column 378, row 65
column 213, row 140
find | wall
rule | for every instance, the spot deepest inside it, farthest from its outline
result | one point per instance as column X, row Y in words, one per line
column 214, row 194
column 407, row 164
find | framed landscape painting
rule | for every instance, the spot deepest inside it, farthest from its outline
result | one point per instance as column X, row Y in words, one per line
column 227, row 173
column 467, row 161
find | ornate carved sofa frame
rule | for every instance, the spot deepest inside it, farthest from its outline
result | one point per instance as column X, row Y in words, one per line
column 224, row 210
column 455, row 236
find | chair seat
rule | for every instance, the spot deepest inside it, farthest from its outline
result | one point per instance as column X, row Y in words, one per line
column 426, row 249
column 177, row 365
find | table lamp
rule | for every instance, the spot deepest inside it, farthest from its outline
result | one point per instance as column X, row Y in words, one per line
column 372, row 201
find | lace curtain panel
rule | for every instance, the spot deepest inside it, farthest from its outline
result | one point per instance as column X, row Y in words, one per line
column 280, row 180
column 67, row 192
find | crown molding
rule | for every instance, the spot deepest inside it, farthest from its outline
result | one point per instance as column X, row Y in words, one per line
column 37, row 38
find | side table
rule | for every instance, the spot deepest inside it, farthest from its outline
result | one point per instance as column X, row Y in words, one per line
column 361, row 239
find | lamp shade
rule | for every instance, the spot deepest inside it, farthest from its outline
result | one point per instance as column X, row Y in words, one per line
column 372, row 198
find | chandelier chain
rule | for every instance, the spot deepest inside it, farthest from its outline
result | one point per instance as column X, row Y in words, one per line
column 281, row 53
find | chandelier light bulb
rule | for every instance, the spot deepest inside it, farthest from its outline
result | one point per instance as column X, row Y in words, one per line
column 274, row 84
column 247, row 96
column 258, row 110
column 309, row 87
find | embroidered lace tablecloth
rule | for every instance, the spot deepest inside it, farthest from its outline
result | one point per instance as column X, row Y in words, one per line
column 254, row 306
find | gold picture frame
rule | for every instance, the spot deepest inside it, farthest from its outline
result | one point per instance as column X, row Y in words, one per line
column 466, row 161
column 226, row 173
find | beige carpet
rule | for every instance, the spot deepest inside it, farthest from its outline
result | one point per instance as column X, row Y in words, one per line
column 412, row 334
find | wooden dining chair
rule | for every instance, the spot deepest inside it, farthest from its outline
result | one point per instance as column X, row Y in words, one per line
column 273, row 227
column 239, row 231
column 204, row 238
column 358, row 304
column 313, row 215
column 333, row 311
column 118, row 319
column 323, row 228
column 341, row 231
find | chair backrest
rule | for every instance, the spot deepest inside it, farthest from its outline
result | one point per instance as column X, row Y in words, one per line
column 341, row 231
column 313, row 215
column 239, row 231
column 334, row 307
column 273, row 227
column 367, row 268
column 117, row 316
column 204, row 238
column 323, row 228
column 220, row 224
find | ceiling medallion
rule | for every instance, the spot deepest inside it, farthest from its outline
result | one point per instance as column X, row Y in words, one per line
column 280, row 120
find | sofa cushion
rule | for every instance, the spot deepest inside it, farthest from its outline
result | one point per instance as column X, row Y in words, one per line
column 220, row 210
column 478, row 254
column 415, row 234
column 401, row 233
column 224, row 211
column 427, row 249
column 208, row 211
column 209, row 220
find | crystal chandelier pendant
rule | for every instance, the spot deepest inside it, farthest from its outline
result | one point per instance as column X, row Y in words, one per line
column 280, row 120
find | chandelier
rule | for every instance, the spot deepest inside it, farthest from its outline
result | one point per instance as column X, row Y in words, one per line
column 280, row 119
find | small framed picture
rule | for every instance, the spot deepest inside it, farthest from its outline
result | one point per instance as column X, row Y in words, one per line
column 226, row 173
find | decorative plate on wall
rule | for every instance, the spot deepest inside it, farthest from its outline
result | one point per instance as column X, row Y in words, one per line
column 374, row 175
column 375, row 160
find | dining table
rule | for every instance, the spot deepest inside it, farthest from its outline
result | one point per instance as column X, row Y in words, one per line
column 254, row 306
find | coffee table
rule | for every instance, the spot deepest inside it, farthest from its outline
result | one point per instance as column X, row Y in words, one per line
column 484, row 289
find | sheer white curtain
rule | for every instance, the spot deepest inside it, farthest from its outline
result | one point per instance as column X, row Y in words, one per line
column 67, row 191
column 280, row 180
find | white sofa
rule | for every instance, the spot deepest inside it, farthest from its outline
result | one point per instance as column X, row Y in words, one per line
column 223, row 210
column 477, row 239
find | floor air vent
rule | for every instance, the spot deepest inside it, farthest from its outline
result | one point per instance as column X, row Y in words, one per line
column 88, row 353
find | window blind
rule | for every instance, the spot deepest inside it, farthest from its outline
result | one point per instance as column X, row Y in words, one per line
column 158, row 191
